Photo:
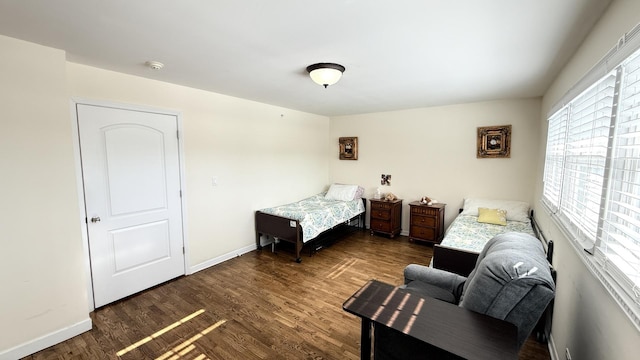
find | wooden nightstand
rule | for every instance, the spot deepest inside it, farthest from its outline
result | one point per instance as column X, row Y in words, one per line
column 386, row 217
column 426, row 222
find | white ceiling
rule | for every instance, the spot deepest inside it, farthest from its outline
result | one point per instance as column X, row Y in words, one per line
column 398, row 54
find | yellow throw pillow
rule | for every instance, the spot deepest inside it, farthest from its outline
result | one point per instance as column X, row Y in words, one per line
column 492, row 216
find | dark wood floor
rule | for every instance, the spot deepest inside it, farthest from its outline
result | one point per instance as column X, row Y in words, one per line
column 257, row 306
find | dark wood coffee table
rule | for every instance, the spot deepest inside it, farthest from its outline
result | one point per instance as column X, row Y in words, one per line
column 446, row 326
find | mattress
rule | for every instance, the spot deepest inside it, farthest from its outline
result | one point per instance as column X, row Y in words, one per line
column 465, row 232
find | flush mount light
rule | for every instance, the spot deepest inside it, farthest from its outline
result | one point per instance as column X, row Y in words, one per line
column 325, row 74
column 154, row 65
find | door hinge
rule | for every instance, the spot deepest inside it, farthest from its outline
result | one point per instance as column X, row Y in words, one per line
column 180, row 191
column 183, row 251
column 178, row 134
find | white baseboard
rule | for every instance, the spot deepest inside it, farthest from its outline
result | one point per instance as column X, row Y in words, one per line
column 553, row 352
column 46, row 341
column 220, row 259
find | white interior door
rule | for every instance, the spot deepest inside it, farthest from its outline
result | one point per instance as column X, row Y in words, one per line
column 131, row 173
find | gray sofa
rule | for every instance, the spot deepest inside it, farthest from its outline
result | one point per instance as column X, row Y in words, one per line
column 511, row 281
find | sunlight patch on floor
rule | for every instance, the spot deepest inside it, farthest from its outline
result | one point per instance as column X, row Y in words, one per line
column 341, row 267
column 159, row 333
column 187, row 345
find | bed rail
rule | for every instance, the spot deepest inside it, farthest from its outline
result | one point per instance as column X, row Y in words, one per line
column 545, row 241
column 543, row 327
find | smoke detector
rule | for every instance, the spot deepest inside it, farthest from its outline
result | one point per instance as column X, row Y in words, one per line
column 154, row 65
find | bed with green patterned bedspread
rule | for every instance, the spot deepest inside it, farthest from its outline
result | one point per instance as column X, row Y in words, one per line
column 316, row 214
column 306, row 220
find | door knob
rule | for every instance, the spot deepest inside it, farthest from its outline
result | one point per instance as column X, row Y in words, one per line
column 95, row 219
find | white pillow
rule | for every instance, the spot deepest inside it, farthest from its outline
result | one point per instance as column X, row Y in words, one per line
column 341, row 192
column 516, row 210
column 359, row 193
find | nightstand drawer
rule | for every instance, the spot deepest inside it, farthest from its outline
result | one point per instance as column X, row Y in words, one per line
column 422, row 232
column 381, row 214
column 380, row 225
column 421, row 220
column 423, row 210
column 380, row 205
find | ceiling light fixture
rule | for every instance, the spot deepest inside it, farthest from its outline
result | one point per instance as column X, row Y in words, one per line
column 154, row 65
column 325, row 74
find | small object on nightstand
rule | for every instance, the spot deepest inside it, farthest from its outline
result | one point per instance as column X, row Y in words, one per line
column 426, row 222
column 386, row 217
column 428, row 201
column 378, row 194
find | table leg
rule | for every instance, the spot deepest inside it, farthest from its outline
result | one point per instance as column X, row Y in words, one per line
column 365, row 340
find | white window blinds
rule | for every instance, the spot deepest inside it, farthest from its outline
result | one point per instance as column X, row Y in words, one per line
column 554, row 160
column 586, row 143
column 592, row 177
column 620, row 239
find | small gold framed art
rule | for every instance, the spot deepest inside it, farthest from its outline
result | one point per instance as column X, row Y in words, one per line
column 348, row 148
column 494, row 142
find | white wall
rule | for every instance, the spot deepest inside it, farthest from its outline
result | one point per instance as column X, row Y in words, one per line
column 262, row 155
column 41, row 264
column 586, row 318
column 432, row 152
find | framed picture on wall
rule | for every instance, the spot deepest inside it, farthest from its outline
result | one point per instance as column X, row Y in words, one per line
column 494, row 142
column 348, row 148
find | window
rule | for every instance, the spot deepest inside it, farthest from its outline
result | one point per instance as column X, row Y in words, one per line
column 592, row 177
